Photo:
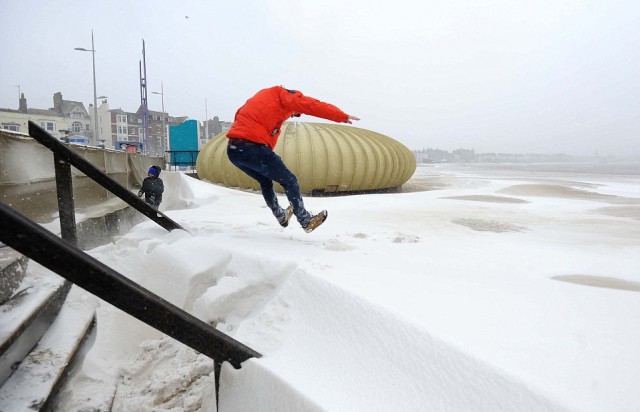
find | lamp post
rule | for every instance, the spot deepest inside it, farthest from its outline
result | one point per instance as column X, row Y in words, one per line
column 95, row 98
column 161, row 93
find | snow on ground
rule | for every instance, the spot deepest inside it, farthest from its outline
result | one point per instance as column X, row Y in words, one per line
column 442, row 298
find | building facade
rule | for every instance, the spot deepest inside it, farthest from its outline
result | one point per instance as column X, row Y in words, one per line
column 211, row 128
column 117, row 129
column 127, row 129
column 67, row 119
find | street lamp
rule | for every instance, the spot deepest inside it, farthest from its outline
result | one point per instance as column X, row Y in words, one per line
column 95, row 98
column 161, row 93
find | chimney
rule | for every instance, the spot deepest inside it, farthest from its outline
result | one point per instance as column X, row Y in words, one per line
column 57, row 102
column 22, row 105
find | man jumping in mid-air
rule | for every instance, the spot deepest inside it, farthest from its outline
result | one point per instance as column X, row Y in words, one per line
column 253, row 136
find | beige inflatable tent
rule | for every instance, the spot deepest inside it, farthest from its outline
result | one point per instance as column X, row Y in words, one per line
column 326, row 158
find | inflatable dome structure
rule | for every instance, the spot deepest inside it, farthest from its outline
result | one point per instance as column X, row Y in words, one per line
column 326, row 158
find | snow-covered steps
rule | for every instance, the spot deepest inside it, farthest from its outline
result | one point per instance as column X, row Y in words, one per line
column 12, row 271
column 27, row 315
column 36, row 379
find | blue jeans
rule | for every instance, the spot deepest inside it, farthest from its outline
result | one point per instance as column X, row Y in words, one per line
column 264, row 165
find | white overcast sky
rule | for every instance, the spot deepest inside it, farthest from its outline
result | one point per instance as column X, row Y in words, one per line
column 541, row 76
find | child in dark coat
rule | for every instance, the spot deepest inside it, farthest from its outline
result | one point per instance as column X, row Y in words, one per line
column 152, row 187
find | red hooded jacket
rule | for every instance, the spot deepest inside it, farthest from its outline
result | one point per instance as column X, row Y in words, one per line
column 261, row 117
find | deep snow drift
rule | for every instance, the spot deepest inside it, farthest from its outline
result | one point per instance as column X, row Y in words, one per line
column 470, row 295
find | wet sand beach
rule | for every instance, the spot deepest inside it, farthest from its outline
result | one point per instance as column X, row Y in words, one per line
column 527, row 184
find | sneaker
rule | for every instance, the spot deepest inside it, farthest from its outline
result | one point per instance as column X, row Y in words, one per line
column 284, row 222
column 315, row 221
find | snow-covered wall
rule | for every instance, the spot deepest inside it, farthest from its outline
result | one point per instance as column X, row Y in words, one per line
column 27, row 175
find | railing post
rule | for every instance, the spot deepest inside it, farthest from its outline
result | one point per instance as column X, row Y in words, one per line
column 217, row 368
column 66, row 204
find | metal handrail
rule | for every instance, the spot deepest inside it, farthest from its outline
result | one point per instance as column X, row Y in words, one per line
column 193, row 154
column 63, row 257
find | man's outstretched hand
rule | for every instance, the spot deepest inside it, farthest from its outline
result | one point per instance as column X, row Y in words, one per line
column 350, row 118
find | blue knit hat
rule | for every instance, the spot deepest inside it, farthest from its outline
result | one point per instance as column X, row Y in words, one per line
column 154, row 171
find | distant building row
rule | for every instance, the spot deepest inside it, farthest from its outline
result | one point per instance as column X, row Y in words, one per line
column 69, row 119
column 470, row 156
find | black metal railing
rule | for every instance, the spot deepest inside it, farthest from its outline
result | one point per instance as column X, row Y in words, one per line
column 186, row 158
column 63, row 257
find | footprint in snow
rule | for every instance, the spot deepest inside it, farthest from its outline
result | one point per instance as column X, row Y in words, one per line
column 405, row 238
column 337, row 245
